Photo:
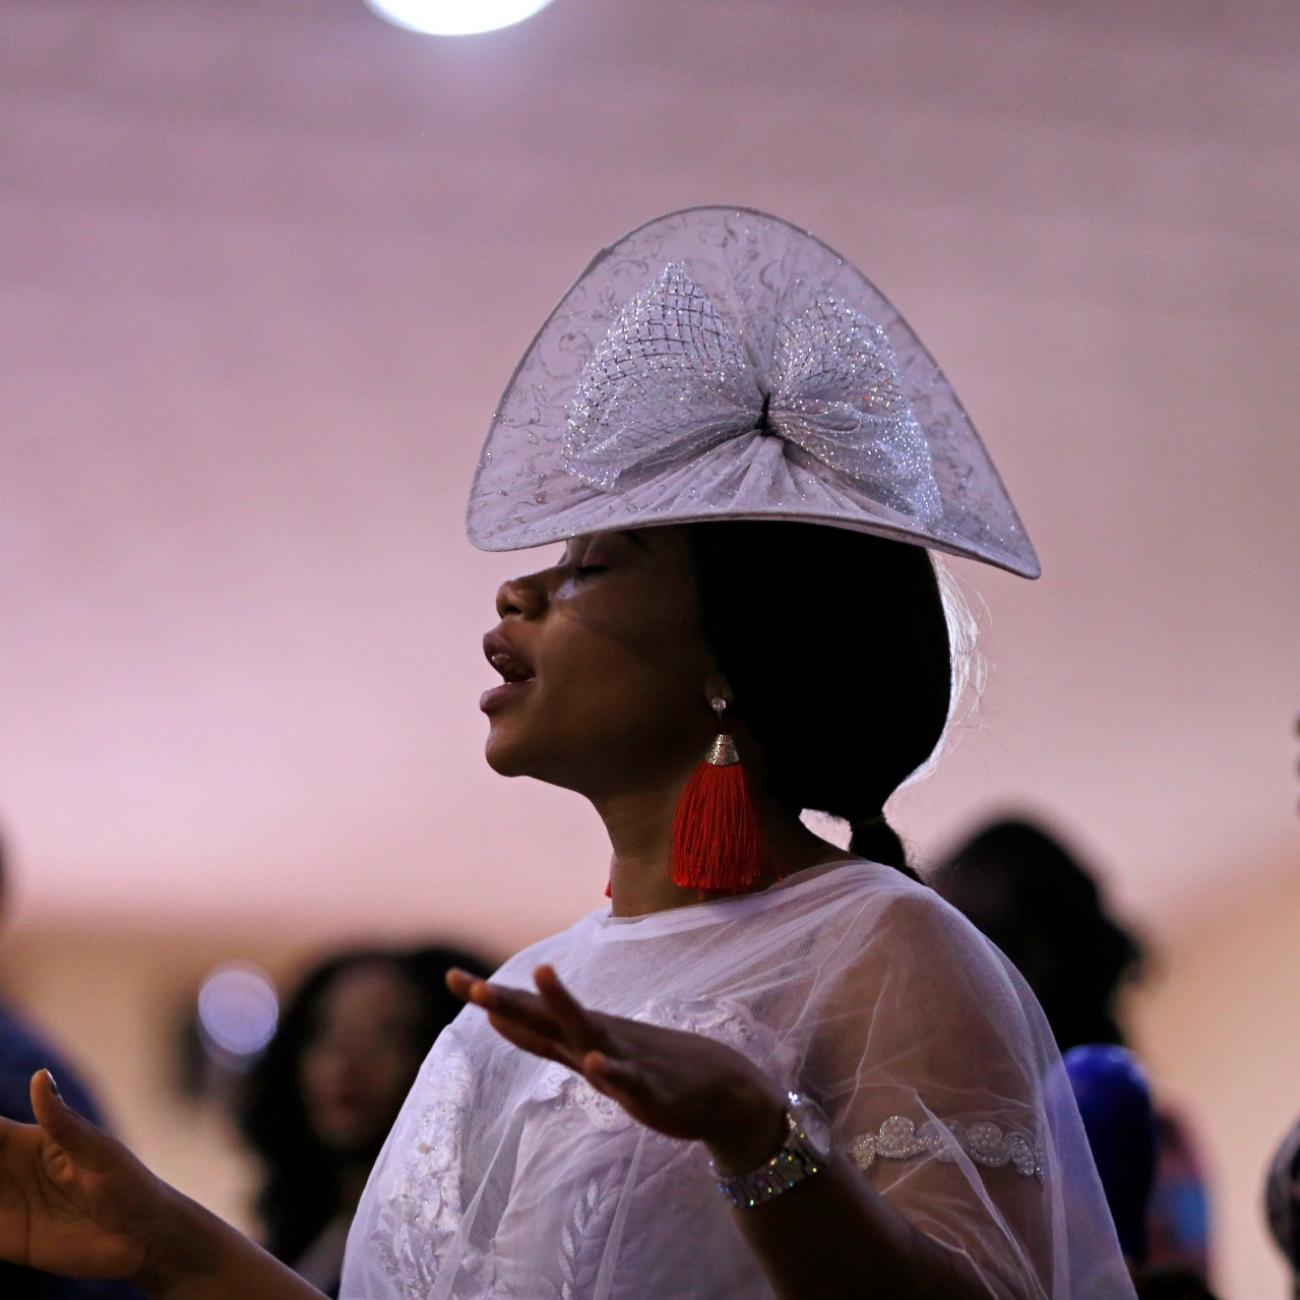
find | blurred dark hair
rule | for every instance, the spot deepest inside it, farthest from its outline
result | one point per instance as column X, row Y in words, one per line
column 1036, row 900
column 1171, row 1284
column 1282, row 1200
column 300, row 1191
column 836, row 646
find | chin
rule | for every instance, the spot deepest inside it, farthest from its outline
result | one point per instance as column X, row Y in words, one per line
column 505, row 755
column 356, row 1146
column 511, row 752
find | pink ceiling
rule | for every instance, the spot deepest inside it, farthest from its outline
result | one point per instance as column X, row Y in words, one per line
column 266, row 266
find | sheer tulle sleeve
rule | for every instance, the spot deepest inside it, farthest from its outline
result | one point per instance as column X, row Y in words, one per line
column 944, row 1085
column 507, row 1176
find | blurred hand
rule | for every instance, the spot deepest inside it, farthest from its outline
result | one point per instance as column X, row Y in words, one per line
column 74, row 1201
column 684, row 1085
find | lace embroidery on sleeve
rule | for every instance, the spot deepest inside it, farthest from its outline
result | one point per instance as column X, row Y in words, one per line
column 898, row 1138
column 422, row 1213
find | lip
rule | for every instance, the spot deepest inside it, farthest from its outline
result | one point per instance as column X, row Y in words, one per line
column 491, row 700
column 497, row 643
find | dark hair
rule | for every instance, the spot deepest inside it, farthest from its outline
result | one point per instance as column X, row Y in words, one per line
column 301, row 1190
column 779, row 601
column 1036, row 900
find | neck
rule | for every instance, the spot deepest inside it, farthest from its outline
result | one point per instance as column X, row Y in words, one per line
column 640, row 823
column 353, row 1175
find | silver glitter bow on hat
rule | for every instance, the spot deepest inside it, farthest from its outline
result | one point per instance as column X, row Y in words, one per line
column 672, row 379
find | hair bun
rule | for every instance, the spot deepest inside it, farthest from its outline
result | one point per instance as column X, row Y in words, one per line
column 876, row 840
column 868, row 824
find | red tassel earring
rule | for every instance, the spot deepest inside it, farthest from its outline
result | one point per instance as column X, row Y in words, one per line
column 718, row 842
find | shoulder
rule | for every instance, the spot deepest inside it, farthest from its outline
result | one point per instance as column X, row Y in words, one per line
column 897, row 944
column 908, row 990
column 912, row 912
column 873, row 906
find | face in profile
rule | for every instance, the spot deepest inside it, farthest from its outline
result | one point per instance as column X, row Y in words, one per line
column 360, row 1058
column 606, row 673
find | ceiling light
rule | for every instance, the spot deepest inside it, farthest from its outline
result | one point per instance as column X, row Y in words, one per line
column 455, row 17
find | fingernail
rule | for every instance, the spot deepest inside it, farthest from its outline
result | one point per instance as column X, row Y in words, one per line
column 54, row 1086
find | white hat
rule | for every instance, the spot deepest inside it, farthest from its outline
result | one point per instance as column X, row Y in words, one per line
column 718, row 363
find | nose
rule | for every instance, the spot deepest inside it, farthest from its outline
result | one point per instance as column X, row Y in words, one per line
column 522, row 596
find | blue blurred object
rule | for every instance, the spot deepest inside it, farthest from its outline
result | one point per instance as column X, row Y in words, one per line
column 1119, row 1119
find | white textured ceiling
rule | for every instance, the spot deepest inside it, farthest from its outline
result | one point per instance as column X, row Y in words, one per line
column 265, row 266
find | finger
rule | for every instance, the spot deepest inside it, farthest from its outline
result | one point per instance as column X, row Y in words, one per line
column 517, row 1004
column 531, row 1041
column 86, row 1144
column 573, row 1018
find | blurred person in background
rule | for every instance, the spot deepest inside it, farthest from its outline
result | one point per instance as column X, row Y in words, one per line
column 1282, row 1203
column 322, row 1098
column 23, row 1051
column 1037, row 901
column 1282, row 1190
column 769, row 1067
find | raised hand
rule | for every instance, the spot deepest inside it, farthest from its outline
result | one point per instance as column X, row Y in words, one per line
column 681, row 1084
column 73, row 1200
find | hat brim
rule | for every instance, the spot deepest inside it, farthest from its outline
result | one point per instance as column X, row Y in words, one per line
column 754, row 267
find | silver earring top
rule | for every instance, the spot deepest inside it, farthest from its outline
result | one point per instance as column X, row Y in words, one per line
column 718, row 705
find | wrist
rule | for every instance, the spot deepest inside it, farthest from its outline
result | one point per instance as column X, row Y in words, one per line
column 803, row 1153
column 184, row 1245
column 753, row 1130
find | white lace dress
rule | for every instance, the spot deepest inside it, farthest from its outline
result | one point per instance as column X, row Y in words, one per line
column 508, row 1176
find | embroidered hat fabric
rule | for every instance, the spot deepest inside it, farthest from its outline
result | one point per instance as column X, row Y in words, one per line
column 719, row 363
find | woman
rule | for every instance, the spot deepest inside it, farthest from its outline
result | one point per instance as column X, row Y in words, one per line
column 321, row 1100
column 769, row 1068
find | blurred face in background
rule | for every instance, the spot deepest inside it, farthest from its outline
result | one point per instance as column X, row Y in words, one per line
column 361, row 1057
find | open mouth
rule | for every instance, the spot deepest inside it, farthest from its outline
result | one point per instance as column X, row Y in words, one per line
column 512, row 666
column 512, row 670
